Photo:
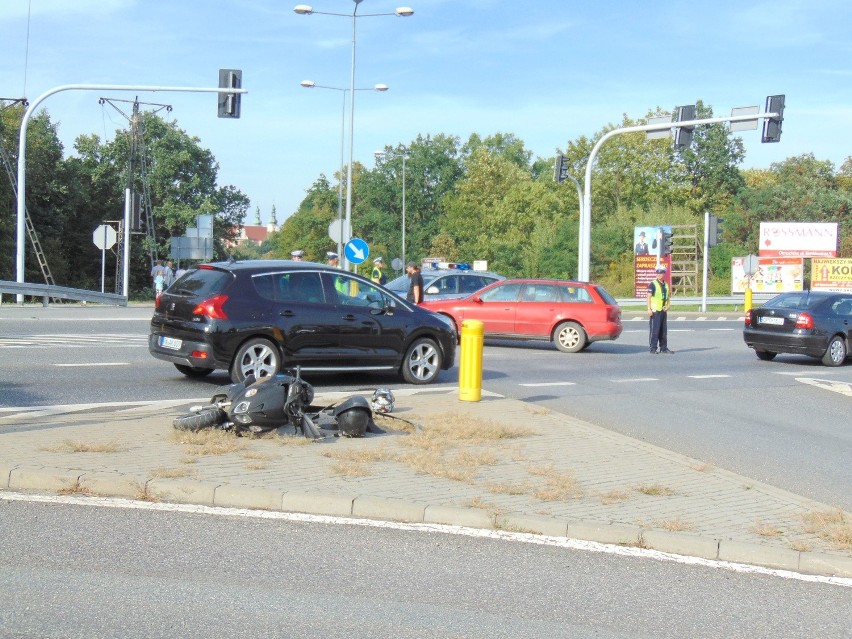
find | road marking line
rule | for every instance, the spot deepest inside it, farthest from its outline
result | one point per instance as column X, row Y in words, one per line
column 806, row 373
column 94, row 364
column 550, row 384
column 706, row 376
column 844, row 388
column 481, row 533
column 723, row 329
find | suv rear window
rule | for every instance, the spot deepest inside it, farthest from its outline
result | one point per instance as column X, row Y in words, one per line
column 203, row 282
column 605, row 296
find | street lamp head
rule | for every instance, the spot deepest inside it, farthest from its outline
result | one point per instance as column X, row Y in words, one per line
column 404, row 12
column 380, row 87
column 308, row 84
column 303, row 9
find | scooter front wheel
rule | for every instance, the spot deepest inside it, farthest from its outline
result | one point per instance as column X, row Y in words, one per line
column 205, row 419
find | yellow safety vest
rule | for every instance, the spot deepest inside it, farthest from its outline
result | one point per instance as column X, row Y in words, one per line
column 659, row 295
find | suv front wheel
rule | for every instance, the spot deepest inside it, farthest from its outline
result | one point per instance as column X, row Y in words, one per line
column 422, row 362
column 258, row 357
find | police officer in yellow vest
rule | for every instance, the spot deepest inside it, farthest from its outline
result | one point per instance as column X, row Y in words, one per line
column 378, row 275
column 659, row 296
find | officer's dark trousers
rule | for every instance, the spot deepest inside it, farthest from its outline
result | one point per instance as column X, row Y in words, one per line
column 659, row 329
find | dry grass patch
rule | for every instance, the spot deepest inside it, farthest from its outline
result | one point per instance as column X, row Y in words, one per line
column 763, row 529
column 209, row 442
column 832, row 526
column 257, row 456
column 614, row 497
column 360, row 456
column 76, row 489
column 558, row 485
column 188, row 460
column 801, row 546
column 675, row 525
column 704, row 467
column 172, row 473
column 433, row 463
column 290, row 440
column 143, row 494
column 73, row 446
column 256, row 466
column 536, row 410
column 468, row 429
column 656, row 490
column 522, row 488
column 350, row 469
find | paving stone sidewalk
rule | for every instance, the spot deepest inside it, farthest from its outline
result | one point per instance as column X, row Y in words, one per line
column 545, row 473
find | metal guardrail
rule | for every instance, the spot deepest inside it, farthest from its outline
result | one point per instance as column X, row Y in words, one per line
column 729, row 300
column 48, row 291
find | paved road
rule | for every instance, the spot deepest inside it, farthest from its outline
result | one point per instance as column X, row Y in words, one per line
column 777, row 422
column 75, row 571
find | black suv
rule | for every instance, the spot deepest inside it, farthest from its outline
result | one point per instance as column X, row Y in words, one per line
column 259, row 316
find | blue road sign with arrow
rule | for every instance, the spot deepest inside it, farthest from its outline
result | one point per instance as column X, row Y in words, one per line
column 356, row 250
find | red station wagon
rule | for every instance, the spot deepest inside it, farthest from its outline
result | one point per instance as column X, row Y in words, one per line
column 570, row 314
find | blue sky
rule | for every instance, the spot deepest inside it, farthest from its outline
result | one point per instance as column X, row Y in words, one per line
column 547, row 71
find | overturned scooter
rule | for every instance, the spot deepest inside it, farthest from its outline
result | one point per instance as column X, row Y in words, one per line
column 266, row 404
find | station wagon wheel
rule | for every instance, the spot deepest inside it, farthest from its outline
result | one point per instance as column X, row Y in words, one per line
column 422, row 362
column 569, row 337
column 193, row 371
column 835, row 354
column 766, row 356
column 258, row 357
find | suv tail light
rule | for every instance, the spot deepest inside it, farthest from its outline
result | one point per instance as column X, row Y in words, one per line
column 804, row 320
column 212, row 308
column 748, row 318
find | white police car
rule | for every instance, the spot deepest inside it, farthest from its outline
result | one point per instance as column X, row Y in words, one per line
column 446, row 281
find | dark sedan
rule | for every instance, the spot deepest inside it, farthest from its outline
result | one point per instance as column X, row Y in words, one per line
column 259, row 317
column 813, row 323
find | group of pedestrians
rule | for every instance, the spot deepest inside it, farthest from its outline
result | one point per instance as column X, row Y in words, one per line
column 163, row 275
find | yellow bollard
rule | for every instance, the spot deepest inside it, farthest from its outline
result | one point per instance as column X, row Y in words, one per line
column 747, row 300
column 470, row 361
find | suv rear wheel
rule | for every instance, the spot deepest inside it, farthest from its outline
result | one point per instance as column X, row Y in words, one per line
column 258, row 357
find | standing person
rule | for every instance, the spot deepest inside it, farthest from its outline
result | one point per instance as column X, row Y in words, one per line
column 158, row 278
column 659, row 298
column 641, row 247
column 415, row 283
column 332, row 259
column 169, row 274
column 378, row 275
column 297, row 255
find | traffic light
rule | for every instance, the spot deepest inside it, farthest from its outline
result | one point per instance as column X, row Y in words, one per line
column 559, row 169
column 772, row 126
column 229, row 103
column 714, row 230
column 683, row 134
column 667, row 243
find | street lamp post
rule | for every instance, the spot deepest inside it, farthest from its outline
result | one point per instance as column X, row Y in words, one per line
column 402, row 12
column 310, row 84
column 404, row 155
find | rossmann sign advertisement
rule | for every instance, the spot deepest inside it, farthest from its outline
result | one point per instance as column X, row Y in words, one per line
column 798, row 239
column 832, row 275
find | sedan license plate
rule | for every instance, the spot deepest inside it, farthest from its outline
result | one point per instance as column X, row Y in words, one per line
column 775, row 321
column 170, row 343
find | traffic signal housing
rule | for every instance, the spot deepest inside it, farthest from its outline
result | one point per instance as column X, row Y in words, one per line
column 683, row 134
column 772, row 126
column 229, row 103
column 714, row 230
column 667, row 243
column 558, row 167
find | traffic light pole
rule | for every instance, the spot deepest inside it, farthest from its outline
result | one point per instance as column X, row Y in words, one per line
column 22, row 154
column 585, row 239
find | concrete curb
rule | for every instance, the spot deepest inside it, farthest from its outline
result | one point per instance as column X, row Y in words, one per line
column 105, row 484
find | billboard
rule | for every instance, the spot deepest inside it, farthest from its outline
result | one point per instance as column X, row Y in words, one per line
column 798, row 239
column 647, row 256
column 833, row 275
column 774, row 275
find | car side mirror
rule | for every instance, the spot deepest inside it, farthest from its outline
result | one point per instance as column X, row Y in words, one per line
column 432, row 290
column 477, row 299
column 387, row 309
